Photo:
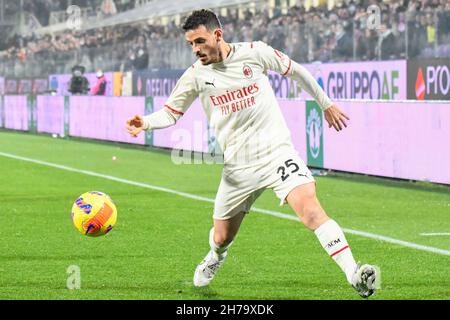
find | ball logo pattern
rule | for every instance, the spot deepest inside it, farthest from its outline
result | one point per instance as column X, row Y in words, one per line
column 94, row 214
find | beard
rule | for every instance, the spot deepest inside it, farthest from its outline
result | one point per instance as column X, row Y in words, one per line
column 213, row 57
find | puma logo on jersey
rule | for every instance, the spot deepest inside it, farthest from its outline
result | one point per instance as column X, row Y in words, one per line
column 210, row 83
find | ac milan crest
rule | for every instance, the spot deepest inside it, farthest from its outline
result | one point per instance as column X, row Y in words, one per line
column 248, row 72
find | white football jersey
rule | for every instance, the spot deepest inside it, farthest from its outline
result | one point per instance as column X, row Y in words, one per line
column 239, row 102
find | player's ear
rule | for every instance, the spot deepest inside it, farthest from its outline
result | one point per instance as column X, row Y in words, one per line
column 218, row 34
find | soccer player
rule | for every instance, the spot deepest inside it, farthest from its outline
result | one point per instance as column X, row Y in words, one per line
column 231, row 81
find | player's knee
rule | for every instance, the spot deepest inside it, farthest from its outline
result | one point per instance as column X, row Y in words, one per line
column 222, row 239
column 313, row 216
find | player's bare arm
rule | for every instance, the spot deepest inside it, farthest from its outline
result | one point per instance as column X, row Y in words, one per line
column 335, row 117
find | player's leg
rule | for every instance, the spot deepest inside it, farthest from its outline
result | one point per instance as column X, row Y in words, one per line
column 221, row 237
column 222, row 234
column 233, row 201
column 304, row 202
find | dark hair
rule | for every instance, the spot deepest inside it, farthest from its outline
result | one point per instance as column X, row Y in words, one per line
column 203, row 17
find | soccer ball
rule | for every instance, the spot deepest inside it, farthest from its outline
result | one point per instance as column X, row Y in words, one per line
column 94, row 214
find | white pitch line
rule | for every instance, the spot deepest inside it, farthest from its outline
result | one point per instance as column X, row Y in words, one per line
column 204, row 199
column 436, row 234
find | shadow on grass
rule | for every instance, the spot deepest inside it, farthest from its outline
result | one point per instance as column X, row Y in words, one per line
column 204, row 293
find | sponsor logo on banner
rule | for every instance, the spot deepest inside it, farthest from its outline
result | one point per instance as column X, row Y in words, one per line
column 350, row 80
column 362, row 85
column 155, row 83
column 420, row 85
column 314, row 134
column 429, row 79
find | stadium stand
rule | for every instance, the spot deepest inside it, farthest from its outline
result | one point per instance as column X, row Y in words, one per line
column 408, row 29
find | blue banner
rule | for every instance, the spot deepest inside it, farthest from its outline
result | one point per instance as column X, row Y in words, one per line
column 155, row 83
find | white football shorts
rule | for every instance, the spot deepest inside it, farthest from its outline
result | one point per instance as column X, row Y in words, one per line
column 239, row 188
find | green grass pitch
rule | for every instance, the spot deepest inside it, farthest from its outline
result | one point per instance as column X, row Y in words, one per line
column 160, row 237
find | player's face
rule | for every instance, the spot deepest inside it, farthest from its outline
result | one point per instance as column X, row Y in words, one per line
column 205, row 44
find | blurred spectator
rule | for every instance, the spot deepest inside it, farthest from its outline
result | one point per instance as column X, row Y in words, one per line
column 138, row 57
column 141, row 60
column 387, row 44
column 124, row 5
column 78, row 84
column 99, row 89
column 108, row 8
column 430, row 29
column 344, row 44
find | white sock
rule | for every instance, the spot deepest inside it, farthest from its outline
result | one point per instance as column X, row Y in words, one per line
column 221, row 252
column 333, row 241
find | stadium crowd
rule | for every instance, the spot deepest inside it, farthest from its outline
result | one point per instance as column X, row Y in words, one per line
column 41, row 9
column 416, row 28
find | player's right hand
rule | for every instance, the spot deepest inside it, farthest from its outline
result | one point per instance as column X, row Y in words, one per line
column 135, row 125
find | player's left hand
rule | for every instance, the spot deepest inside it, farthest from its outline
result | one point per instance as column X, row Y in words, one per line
column 335, row 117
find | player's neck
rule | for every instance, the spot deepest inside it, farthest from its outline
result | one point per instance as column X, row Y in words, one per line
column 225, row 50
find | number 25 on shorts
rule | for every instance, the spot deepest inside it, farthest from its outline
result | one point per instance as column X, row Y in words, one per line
column 289, row 165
